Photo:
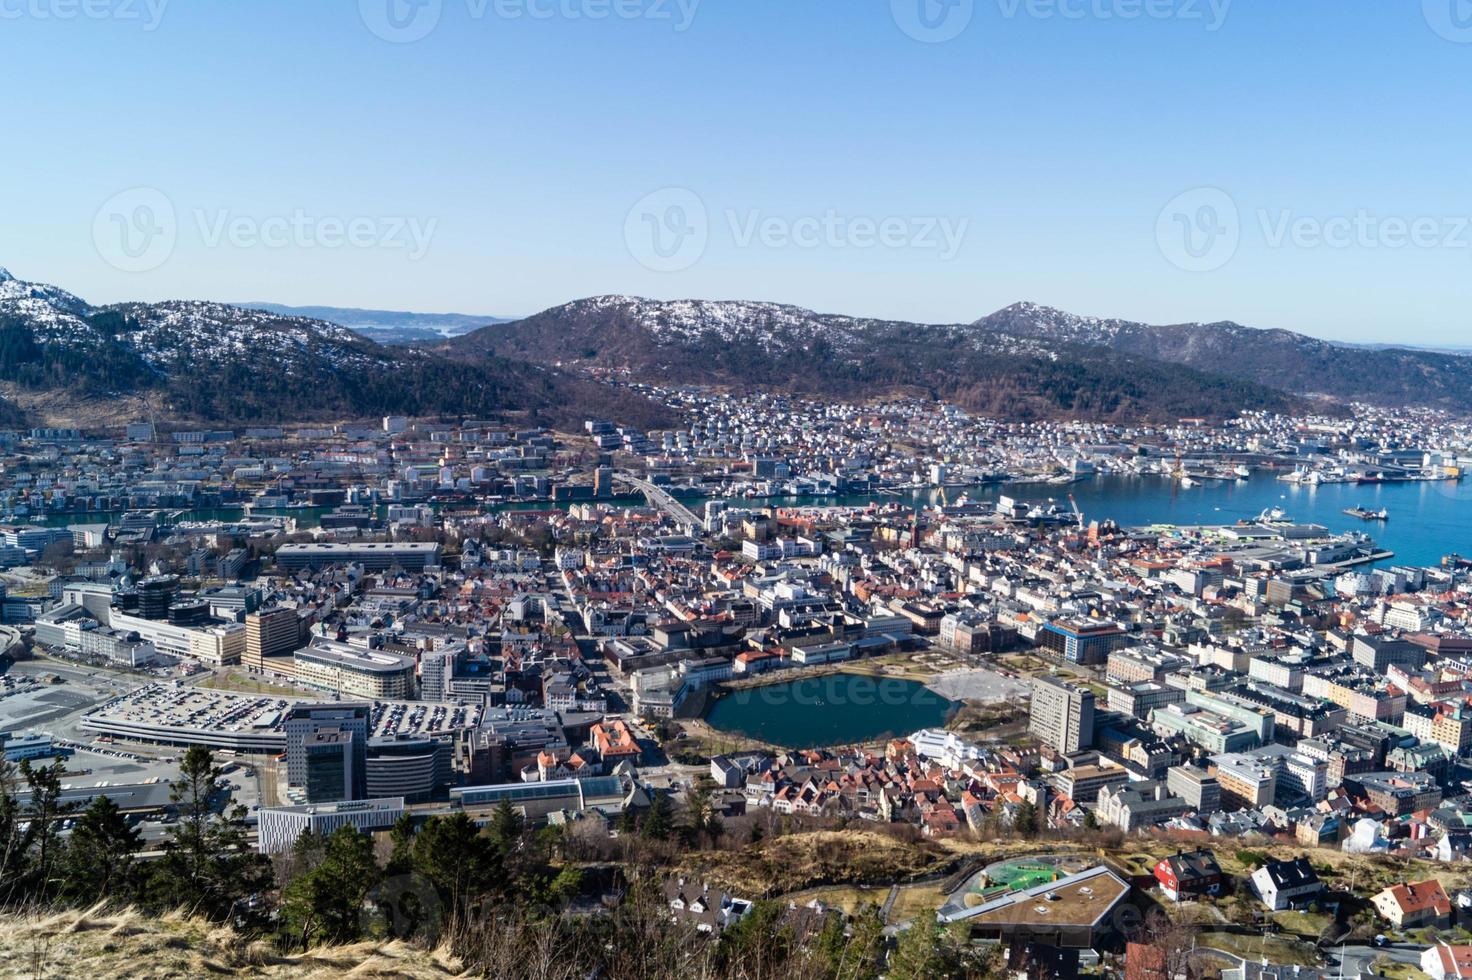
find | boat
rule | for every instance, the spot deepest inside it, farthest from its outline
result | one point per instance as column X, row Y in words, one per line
column 1365, row 514
column 1187, row 481
column 1242, row 472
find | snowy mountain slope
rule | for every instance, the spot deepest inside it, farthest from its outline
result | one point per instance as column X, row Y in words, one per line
column 782, row 346
column 219, row 362
column 1281, row 359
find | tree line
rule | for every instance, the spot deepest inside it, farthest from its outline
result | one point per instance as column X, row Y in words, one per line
column 505, row 899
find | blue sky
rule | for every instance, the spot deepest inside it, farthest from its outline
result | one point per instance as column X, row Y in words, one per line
column 814, row 152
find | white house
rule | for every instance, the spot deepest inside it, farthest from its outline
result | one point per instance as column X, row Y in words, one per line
column 1286, row 884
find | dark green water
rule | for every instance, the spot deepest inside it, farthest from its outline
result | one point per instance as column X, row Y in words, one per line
column 839, row 709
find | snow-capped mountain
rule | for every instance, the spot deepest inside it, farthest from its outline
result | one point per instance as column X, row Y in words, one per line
column 777, row 345
column 13, row 291
column 1281, row 359
column 220, row 362
column 178, row 333
column 775, row 329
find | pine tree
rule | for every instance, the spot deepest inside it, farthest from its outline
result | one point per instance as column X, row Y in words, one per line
column 1025, row 822
column 44, row 812
column 462, row 863
column 207, row 866
column 326, row 903
column 505, row 828
column 704, row 822
column 13, row 841
column 101, row 857
column 918, row 954
column 659, row 822
column 401, row 837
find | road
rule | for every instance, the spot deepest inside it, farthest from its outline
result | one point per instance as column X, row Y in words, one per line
column 677, row 511
column 1353, row 961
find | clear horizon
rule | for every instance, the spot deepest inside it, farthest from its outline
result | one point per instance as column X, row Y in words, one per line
column 1166, row 161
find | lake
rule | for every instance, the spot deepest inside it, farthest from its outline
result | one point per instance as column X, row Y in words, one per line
column 839, row 709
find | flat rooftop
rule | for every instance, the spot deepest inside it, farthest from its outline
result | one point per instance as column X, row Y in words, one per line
column 1083, row 899
column 176, row 707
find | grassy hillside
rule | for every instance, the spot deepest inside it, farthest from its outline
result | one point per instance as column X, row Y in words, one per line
column 100, row 943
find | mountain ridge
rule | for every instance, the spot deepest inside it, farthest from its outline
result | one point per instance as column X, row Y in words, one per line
column 1278, row 358
column 215, row 362
column 745, row 342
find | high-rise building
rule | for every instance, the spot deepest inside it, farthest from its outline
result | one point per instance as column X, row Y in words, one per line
column 436, row 669
column 270, row 633
column 155, row 595
column 327, row 749
column 1062, row 715
column 412, row 766
column 335, row 769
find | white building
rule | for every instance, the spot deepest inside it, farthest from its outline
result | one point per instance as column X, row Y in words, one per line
column 280, row 826
column 947, row 748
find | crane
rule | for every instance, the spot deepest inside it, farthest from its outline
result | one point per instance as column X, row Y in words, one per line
column 1076, row 512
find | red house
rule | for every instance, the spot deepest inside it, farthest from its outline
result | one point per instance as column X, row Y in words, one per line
column 1188, row 876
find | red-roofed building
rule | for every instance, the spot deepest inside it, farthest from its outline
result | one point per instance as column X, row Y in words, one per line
column 1415, row 905
column 1446, row 962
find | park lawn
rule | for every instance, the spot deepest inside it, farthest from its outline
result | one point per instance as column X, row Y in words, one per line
column 245, row 684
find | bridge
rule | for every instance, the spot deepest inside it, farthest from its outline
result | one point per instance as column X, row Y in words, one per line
column 672, row 508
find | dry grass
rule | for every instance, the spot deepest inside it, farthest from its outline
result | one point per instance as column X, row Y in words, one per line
column 915, row 902
column 100, row 943
column 795, row 862
column 1277, row 950
column 850, row 898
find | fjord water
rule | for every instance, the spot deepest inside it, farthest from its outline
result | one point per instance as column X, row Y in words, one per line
column 839, row 709
column 1427, row 520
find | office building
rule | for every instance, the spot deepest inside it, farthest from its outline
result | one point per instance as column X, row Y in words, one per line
column 354, row 671
column 1062, row 715
column 327, row 749
column 415, row 767
column 373, row 556
column 1196, row 786
column 270, row 634
column 280, row 826
column 1082, row 641
column 155, row 595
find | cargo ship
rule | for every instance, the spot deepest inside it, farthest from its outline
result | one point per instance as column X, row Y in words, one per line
column 1368, row 515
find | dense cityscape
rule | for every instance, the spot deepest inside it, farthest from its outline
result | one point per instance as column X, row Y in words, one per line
column 1078, row 744
column 678, row 490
